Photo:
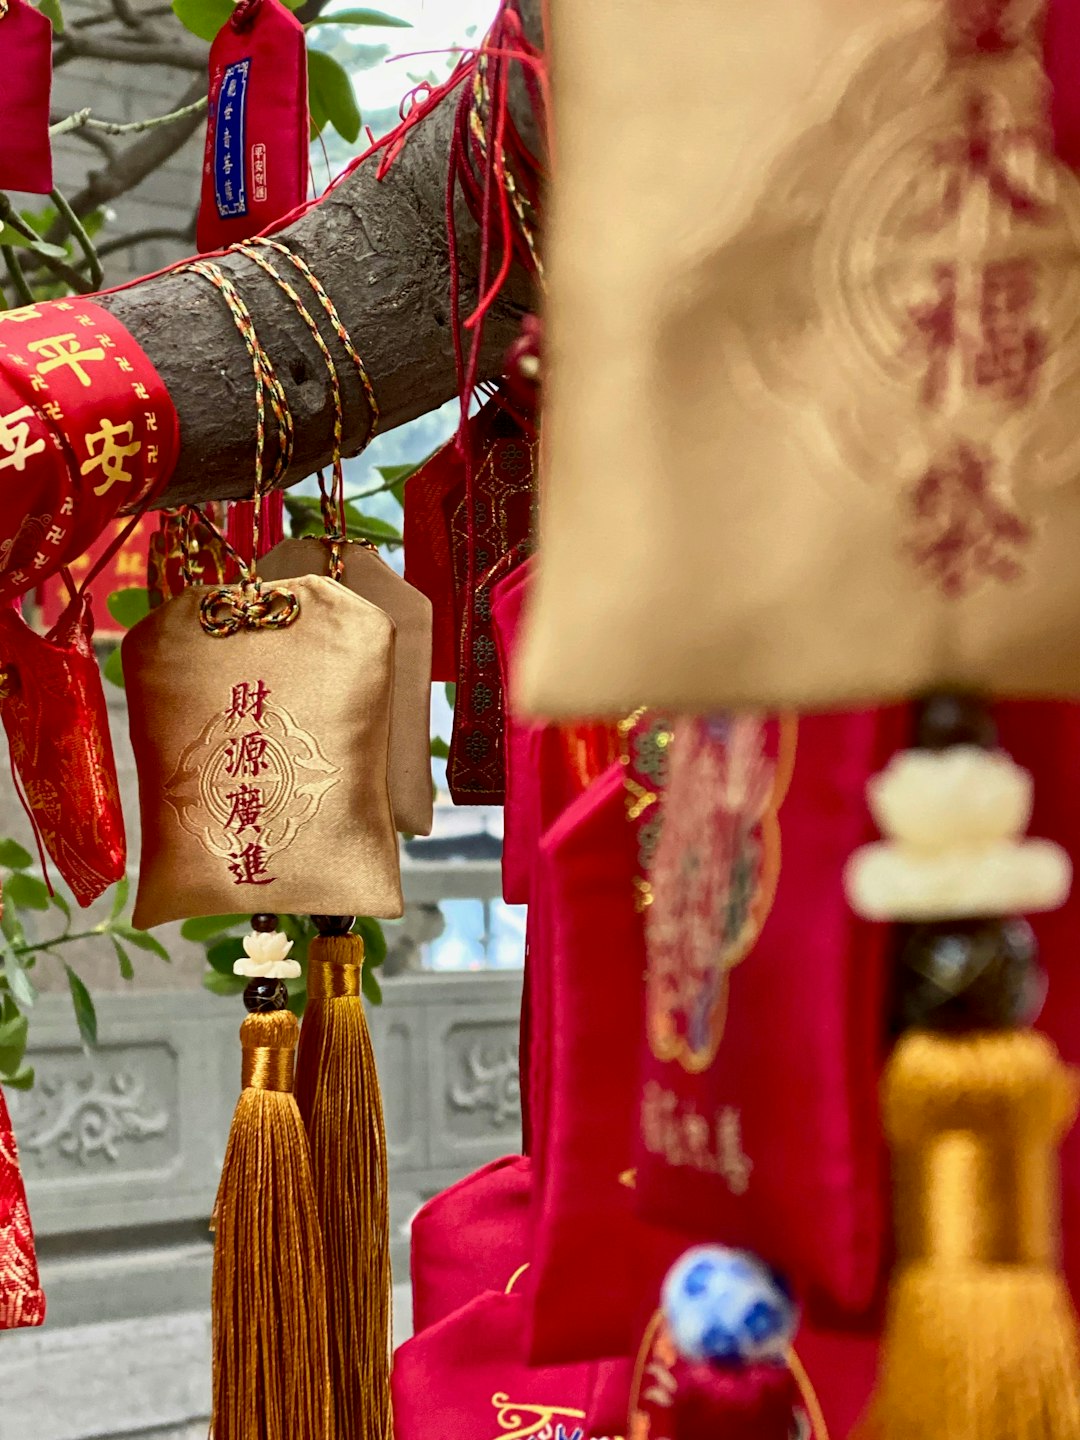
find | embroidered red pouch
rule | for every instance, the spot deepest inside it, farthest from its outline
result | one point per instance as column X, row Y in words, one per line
column 466, row 1377
column 469, row 1238
column 521, row 803
column 255, row 169
column 26, row 38
column 22, row 1302
column 53, row 709
column 759, row 1117
column 87, row 430
column 586, row 1299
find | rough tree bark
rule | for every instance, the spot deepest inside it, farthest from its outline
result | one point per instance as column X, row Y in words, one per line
column 380, row 249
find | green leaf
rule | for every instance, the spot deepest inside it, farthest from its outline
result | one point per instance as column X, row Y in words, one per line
column 331, row 96
column 210, row 927
column 127, row 970
column 203, row 18
column 26, row 892
column 222, row 956
column 61, row 904
column 19, row 982
column 11, row 927
column 440, row 750
column 361, row 17
column 451, row 694
column 13, row 1034
column 113, row 669
column 52, row 12
column 369, row 527
column 13, row 856
column 120, row 898
column 10, row 236
column 85, row 1014
column 130, row 605
column 374, row 940
column 371, row 987
column 223, row 984
column 298, row 1003
column 24, row 1080
column 142, row 941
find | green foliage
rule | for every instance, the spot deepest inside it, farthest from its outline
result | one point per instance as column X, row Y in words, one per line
column 361, row 17
column 130, row 605
column 440, row 750
column 221, row 937
column 331, row 97
column 113, row 668
column 52, row 12
column 305, row 518
column 203, row 18
column 26, row 901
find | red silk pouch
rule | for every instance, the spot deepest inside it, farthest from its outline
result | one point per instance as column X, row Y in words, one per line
column 546, row 766
column 466, row 1377
column 1061, row 53
column 26, row 38
column 87, row 431
column 428, row 566
column 22, row 1302
column 587, row 1299
column 470, row 1238
column 764, row 1003
column 53, row 709
column 255, row 170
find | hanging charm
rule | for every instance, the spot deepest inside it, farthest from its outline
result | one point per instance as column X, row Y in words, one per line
column 256, row 166
column 337, row 1090
column 980, row 1337
column 26, row 40
column 270, row 1337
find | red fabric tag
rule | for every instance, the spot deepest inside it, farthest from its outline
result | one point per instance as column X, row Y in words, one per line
column 1062, row 59
column 26, row 39
column 586, row 1299
column 21, row 1300
column 209, row 561
column 759, row 1110
column 427, row 549
column 57, row 724
column 255, row 169
column 469, row 1238
column 87, row 430
column 466, row 1377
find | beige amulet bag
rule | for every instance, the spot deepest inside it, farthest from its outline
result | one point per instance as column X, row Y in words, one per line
column 262, row 755
column 365, row 573
column 811, row 429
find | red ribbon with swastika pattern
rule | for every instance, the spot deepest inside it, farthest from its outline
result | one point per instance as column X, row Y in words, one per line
column 87, row 431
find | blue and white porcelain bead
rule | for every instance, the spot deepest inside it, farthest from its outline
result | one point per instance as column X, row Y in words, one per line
column 727, row 1307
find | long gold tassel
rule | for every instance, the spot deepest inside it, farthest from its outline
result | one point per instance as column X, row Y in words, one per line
column 271, row 1365
column 337, row 1089
column 981, row 1336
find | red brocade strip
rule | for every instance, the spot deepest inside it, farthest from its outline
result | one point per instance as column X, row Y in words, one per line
column 489, row 524
column 21, row 1300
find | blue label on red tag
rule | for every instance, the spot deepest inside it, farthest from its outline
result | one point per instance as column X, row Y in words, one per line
column 230, row 136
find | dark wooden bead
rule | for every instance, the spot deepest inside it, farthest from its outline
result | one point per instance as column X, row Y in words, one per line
column 264, row 924
column 333, row 924
column 264, row 994
column 967, row 975
column 953, row 718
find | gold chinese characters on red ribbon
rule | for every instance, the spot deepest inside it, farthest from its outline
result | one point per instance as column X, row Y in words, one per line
column 87, row 431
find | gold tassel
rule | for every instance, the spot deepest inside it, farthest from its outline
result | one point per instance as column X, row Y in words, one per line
column 337, row 1089
column 271, row 1363
column 981, row 1338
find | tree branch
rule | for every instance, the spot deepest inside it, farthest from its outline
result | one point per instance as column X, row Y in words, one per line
column 379, row 247
column 77, row 44
column 133, row 164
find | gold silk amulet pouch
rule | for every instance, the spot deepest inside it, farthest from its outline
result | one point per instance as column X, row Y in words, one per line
column 261, row 732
